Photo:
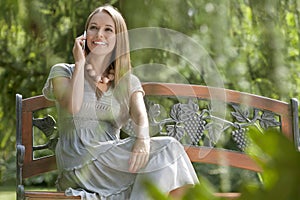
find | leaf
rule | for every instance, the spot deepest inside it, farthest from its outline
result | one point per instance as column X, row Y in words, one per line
column 190, row 108
column 175, row 112
column 268, row 120
column 255, row 113
column 175, row 131
column 154, row 191
column 178, row 114
column 280, row 162
column 46, row 125
column 182, row 112
column 239, row 114
column 154, row 110
column 214, row 131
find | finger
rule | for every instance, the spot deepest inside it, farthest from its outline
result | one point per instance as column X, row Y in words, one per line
column 145, row 160
column 79, row 42
column 82, row 37
column 78, row 46
column 136, row 162
column 132, row 161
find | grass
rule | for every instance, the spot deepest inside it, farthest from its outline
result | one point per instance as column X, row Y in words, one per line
column 9, row 192
column 8, row 195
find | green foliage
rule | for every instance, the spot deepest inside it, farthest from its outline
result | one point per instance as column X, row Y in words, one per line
column 226, row 178
column 280, row 163
column 199, row 191
column 281, row 176
column 154, row 192
column 204, row 190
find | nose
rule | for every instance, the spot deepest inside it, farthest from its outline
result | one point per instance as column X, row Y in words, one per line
column 100, row 33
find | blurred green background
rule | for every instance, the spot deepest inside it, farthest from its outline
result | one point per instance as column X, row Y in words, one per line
column 254, row 44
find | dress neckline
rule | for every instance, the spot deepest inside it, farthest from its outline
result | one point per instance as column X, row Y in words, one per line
column 108, row 91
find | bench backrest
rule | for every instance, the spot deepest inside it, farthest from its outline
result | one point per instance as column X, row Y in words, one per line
column 190, row 119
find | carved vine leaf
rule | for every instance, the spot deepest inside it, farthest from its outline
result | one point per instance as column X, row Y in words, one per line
column 255, row 114
column 240, row 114
column 190, row 108
column 175, row 131
column 182, row 112
column 154, row 110
column 176, row 112
column 268, row 120
column 46, row 125
column 214, row 132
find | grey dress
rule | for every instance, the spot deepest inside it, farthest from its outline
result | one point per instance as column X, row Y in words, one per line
column 93, row 161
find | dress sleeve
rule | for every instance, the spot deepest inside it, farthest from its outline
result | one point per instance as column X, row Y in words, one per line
column 135, row 85
column 58, row 70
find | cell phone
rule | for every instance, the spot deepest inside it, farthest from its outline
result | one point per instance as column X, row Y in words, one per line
column 84, row 35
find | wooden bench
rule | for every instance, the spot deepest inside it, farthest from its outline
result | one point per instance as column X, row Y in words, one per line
column 187, row 112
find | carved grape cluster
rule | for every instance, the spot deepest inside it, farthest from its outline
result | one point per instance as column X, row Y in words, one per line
column 187, row 121
column 194, row 127
column 240, row 137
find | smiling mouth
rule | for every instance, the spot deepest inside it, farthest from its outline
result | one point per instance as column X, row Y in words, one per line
column 101, row 43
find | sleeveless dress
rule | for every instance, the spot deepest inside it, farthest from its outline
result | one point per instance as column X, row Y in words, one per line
column 92, row 160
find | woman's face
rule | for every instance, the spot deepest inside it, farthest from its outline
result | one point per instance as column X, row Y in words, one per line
column 101, row 34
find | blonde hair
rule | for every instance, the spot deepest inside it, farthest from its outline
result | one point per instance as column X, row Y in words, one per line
column 121, row 55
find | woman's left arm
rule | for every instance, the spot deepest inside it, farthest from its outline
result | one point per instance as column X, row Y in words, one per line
column 141, row 148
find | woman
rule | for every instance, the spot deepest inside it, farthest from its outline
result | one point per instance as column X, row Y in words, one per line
column 95, row 97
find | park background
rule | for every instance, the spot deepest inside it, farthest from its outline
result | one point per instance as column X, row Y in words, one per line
column 253, row 43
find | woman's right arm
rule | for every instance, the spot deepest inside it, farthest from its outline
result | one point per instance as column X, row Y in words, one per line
column 69, row 91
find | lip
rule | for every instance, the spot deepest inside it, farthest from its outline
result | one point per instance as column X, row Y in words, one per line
column 100, row 43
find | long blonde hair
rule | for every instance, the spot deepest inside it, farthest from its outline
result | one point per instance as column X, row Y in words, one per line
column 121, row 54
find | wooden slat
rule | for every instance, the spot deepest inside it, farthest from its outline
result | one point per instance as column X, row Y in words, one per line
column 287, row 126
column 228, row 195
column 205, row 92
column 221, row 157
column 45, row 195
column 39, row 195
column 39, row 166
column 27, row 139
column 36, row 103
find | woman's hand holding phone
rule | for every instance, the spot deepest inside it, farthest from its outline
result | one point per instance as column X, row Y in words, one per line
column 79, row 48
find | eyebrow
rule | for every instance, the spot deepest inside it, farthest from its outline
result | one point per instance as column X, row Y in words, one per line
column 94, row 23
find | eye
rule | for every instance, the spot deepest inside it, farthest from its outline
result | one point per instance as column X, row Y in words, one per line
column 109, row 29
column 93, row 27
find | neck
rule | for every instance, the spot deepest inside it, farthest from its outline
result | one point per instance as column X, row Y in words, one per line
column 99, row 63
